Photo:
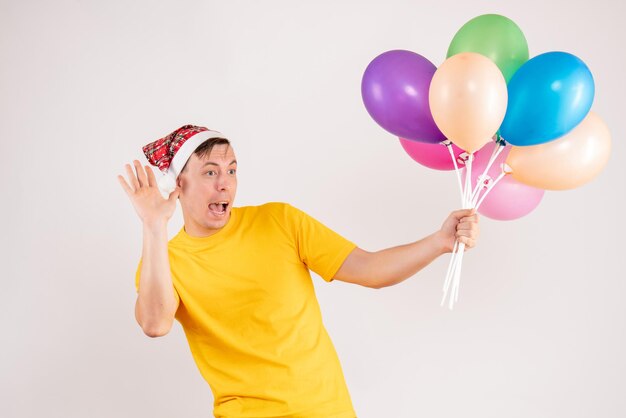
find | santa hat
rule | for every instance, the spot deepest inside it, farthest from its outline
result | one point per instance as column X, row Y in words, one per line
column 170, row 153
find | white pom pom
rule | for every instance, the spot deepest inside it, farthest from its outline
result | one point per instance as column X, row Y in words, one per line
column 166, row 184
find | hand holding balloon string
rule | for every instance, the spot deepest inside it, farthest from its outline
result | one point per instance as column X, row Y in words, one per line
column 469, row 199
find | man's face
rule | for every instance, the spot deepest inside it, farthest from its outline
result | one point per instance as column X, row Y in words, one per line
column 208, row 187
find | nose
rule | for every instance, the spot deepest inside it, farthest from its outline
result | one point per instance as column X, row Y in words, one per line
column 223, row 183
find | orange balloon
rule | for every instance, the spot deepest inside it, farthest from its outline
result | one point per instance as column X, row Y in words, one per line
column 468, row 99
column 567, row 162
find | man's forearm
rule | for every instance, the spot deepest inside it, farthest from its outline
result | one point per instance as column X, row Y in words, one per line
column 393, row 265
column 156, row 302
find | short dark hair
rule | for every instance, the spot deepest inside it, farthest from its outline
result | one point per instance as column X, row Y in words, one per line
column 205, row 148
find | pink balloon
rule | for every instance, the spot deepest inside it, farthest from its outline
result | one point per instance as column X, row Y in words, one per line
column 509, row 199
column 434, row 156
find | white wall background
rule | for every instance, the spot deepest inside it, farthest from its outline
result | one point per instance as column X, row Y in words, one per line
column 540, row 328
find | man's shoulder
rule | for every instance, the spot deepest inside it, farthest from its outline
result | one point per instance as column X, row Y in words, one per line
column 270, row 207
column 281, row 213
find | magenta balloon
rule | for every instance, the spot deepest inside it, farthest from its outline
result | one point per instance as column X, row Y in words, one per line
column 435, row 156
column 509, row 199
column 395, row 93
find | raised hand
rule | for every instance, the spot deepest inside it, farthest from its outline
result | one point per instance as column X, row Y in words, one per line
column 145, row 195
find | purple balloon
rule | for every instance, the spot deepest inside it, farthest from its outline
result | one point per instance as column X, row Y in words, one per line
column 395, row 92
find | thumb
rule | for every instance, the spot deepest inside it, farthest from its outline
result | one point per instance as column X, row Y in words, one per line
column 462, row 213
column 174, row 195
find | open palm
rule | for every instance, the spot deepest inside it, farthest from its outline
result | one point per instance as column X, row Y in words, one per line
column 145, row 195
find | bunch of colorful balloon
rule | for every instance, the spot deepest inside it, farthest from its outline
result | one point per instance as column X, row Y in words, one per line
column 521, row 125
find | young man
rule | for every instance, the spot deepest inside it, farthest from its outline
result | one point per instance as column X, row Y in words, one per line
column 238, row 281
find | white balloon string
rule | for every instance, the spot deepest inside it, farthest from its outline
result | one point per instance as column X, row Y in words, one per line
column 450, row 276
column 468, row 181
column 484, row 185
column 452, row 263
column 496, row 152
column 448, row 280
column 453, row 275
column 491, row 186
column 446, row 283
column 456, row 166
column 457, row 276
column 453, row 288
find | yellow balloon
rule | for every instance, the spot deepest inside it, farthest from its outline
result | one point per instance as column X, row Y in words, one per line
column 468, row 99
column 567, row 162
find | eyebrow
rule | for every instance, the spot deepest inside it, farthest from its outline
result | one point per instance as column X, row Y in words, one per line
column 217, row 165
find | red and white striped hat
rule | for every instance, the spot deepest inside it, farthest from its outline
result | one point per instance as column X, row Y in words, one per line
column 170, row 153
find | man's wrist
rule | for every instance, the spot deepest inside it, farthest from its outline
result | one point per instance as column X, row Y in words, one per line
column 440, row 242
column 155, row 224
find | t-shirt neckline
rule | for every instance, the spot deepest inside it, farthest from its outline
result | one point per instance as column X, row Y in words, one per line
column 185, row 239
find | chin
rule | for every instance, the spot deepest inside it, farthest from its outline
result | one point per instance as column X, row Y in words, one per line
column 216, row 223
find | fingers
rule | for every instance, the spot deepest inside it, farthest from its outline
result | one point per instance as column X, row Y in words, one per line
column 125, row 185
column 469, row 243
column 467, row 230
column 138, row 178
column 174, row 195
column 141, row 175
column 462, row 213
column 134, row 183
column 471, row 231
column 468, row 222
column 151, row 179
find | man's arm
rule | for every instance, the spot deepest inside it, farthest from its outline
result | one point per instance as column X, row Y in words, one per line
column 393, row 265
column 157, row 301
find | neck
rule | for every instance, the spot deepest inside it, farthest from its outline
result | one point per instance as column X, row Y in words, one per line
column 196, row 230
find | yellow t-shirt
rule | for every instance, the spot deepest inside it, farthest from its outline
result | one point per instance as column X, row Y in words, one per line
column 251, row 317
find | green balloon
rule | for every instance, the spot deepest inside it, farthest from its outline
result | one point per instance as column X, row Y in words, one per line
column 496, row 37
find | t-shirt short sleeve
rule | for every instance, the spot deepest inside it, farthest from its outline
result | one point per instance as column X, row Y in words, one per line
column 138, row 275
column 320, row 248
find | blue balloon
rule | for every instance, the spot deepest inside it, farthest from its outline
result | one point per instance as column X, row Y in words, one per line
column 548, row 96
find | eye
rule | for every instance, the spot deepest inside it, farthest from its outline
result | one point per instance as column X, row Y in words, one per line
column 232, row 171
column 210, row 173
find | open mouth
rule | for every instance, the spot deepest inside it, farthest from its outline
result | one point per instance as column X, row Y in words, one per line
column 219, row 208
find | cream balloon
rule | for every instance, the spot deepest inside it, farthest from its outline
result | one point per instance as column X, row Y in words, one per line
column 468, row 99
column 567, row 162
